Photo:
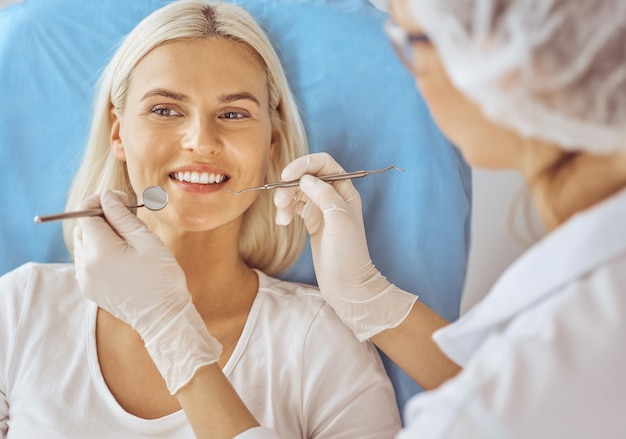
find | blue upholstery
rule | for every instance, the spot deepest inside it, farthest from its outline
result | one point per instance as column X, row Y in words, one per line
column 358, row 103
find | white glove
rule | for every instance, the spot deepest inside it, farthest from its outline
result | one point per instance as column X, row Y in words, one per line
column 129, row 272
column 362, row 297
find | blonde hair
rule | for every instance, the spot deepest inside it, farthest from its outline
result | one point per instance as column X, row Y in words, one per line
column 262, row 243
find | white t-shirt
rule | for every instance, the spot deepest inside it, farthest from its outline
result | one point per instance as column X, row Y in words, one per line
column 544, row 354
column 296, row 366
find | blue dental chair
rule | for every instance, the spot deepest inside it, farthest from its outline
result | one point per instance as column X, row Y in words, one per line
column 357, row 101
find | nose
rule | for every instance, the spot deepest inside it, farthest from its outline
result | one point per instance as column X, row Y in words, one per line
column 202, row 137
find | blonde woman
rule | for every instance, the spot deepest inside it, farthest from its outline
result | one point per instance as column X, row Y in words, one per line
column 195, row 100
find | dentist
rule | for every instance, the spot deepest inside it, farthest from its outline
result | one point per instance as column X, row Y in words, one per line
column 539, row 87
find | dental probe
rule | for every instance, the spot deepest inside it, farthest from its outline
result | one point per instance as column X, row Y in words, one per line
column 330, row 177
column 153, row 198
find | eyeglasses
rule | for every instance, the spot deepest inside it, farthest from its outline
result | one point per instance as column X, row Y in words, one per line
column 403, row 42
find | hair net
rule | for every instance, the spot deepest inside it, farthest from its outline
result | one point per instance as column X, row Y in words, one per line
column 549, row 69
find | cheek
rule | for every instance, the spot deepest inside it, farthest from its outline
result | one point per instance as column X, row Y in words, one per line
column 145, row 153
column 454, row 114
column 255, row 161
column 144, row 143
column 482, row 142
column 446, row 106
column 255, row 150
column 457, row 118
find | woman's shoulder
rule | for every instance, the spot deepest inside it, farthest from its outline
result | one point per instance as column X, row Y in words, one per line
column 33, row 274
column 37, row 284
column 39, row 267
column 288, row 293
column 296, row 318
column 294, row 341
column 288, row 289
column 38, row 300
column 302, row 310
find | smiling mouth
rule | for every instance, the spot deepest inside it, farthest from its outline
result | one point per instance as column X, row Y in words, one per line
column 199, row 177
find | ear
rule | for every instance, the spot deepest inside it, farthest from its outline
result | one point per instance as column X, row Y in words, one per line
column 117, row 146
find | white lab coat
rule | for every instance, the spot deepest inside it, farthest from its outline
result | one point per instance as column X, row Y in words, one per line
column 544, row 354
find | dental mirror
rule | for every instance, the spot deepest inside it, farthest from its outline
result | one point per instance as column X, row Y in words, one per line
column 152, row 198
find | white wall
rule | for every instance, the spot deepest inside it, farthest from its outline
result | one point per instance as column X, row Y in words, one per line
column 4, row 3
column 500, row 229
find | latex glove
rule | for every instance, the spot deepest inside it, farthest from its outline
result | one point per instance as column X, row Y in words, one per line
column 362, row 297
column 128, row 271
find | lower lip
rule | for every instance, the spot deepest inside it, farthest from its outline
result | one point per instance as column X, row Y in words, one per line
column 199, row 188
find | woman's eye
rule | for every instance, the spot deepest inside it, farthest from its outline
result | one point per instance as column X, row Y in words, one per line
column 164, row 111
column 233, row 115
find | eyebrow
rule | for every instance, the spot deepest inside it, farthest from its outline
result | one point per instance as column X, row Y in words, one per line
column 165, row 93
column 225, row 98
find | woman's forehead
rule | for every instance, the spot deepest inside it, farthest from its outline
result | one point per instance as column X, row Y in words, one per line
column 201, row 65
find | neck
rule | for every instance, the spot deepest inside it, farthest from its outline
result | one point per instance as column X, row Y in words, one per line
column 565, row 183
column 219, row 281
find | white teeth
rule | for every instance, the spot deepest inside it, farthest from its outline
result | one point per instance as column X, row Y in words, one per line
column 198, row 178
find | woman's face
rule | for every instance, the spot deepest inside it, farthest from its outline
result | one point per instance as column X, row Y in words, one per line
column 483, row 143
column 196, row 122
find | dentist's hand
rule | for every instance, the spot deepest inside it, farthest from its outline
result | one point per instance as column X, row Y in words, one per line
column 362, row 297
column 129, row 272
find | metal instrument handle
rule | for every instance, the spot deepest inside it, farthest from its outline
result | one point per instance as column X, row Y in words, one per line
column 329, row 177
